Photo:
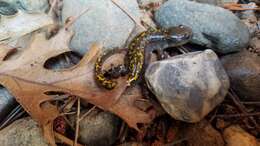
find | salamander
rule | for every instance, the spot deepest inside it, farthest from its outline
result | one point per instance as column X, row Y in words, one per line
column 139, row 51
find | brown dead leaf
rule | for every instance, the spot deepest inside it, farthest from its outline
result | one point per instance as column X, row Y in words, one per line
column 27, row 80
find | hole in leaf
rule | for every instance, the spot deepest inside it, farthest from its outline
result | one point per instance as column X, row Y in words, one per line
column 62, row 61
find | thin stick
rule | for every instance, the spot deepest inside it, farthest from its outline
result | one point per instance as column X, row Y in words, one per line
column 176, row 142
column 69, row 113
column 73, row 20
column 87, row 113
column 65, row 139
column 251, row 102
column 53, row 4
column 77, row 124
column 124, row 9
column 238, row 115
column 241, row 107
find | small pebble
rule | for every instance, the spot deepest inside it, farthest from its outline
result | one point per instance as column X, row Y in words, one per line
column 236, row 136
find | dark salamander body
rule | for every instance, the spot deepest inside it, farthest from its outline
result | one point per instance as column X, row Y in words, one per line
column 138, row 51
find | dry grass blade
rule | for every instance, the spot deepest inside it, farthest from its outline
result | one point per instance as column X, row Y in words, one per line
column 87, row 113
column 77, row 124
column 65, row 139
column 137, row 21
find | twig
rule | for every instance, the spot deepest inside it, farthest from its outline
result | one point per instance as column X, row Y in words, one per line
column 176, row 142
column 14, row 114
column 238, row 115
column 53, row 4
column 124, row 9
column 69, row 123
column 77, row 124
column 73, row 19
column 238, row 7
column 214, row 115
column 87, row 113
column 251, row 102
column 241, row 107
column 65, row 139
column 69, row 113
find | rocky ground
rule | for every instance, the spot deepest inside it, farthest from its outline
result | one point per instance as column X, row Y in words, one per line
column 206, row 92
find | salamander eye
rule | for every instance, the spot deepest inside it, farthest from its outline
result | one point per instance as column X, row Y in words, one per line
column 181, row 26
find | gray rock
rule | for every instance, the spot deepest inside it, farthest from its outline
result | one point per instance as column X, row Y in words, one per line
column 23, row 132
column 243, row 69
column 188, row 86
column 213, row 26
column 99, row 128
column 7, row 9
column 33, row 6
column 30, row 6
column 104, row 23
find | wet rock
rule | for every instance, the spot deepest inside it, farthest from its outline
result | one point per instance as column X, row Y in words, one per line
column 23, row 132
column 243, row 69
column 188, row 86
column 203, row 134
column 7, row 9
column 236, row 136
column 213, row 26
column 104, row 23
column 7, row 102
column 98, row 129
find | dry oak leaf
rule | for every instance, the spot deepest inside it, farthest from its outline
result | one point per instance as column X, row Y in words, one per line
column 27, row 80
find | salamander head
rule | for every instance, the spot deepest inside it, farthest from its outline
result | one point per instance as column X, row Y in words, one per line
column 179, row 34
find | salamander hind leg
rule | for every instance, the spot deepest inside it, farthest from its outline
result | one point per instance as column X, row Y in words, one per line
column 99, row 74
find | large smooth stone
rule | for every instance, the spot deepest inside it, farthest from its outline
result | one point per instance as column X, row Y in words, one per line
column 243, row 69
column 188, row 86
column 213, row 26
column 23, row 132
column 104, row 22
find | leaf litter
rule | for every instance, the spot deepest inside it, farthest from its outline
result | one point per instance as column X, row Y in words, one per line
column 27, row 79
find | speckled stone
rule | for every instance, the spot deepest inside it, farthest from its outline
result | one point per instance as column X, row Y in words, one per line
column 212, row 26
column 23, row 132
column 188, row 86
